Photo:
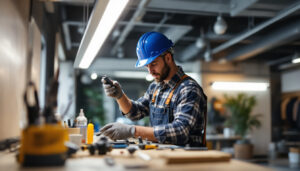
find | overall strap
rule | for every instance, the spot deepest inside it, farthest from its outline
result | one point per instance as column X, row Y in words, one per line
column 171, row 93
column 154, row 95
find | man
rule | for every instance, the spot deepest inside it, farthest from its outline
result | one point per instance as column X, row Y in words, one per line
column 174, row 102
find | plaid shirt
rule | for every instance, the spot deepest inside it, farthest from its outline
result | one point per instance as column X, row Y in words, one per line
column 188, row 106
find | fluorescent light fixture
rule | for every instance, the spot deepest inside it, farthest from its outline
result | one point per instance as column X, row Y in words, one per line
column 94, row 76
column 240, row 86
column 296, row 60
column 130, row 74
column 103, row 19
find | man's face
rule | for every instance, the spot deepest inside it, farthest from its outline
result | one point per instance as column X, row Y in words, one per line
column 159, row 69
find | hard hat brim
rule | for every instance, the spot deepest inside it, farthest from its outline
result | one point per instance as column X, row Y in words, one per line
column 144, row 62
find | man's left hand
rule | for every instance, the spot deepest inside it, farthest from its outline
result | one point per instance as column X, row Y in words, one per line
column 118, row 131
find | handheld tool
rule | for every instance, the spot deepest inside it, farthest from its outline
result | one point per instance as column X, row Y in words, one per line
column 108, row 80
column 131, row 150
column 32, row 110
column 42, row 144
column 102, row 146
column 147, row 145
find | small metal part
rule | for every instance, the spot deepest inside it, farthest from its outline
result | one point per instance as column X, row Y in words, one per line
column 131, row 150
column 109, row 161
column 92, row 149
column 140, row 140
column 101, row 146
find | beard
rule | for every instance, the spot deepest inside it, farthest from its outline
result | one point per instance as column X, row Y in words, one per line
column 164, row 72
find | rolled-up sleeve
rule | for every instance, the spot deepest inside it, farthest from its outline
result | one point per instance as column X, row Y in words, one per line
column 185, row 112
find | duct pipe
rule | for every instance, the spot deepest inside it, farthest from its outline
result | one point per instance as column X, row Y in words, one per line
column 139, row 13
column 282, row 14
column 276, row 38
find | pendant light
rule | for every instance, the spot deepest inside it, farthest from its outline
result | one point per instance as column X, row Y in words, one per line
column 220, row 25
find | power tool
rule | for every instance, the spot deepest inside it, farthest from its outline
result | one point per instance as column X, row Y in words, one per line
column 43, row 140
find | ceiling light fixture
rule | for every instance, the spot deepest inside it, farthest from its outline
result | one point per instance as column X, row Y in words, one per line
column 104, row 17
column 220, row 26
column 94, row 76
column 240, row 86
column 200, row 42
column 296, row 58
column 207, row 54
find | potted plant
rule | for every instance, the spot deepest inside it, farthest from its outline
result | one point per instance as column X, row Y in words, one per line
column 241, row 121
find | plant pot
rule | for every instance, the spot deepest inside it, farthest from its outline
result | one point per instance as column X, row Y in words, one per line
column 228, row 132
column 243, row 151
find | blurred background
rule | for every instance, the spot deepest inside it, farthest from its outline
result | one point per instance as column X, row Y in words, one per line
column 237, row 41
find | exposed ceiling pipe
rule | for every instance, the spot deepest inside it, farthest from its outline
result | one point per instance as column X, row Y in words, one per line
column 280, row 60
column 162, row 21
column 188, row 53
column 284, row 13
column 176, row 33
column 278, row 37
column 66, row 29
column 138, row 14
column 74, row 2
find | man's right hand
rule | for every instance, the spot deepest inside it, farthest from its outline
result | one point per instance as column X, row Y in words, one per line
column 114, row 91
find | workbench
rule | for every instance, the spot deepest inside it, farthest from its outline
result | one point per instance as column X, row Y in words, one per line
column 124, row 161
column 218, row 141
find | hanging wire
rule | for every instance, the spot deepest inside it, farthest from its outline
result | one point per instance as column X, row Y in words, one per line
column 83, row 15
column 250, row 22
column 87, row 13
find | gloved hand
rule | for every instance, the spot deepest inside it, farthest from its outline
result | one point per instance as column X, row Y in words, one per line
column 118, row 131
column 114, row 90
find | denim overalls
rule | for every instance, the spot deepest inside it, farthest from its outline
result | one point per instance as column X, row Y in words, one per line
column 161, row 116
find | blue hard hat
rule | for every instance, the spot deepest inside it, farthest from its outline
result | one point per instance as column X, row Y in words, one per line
column 150, row 46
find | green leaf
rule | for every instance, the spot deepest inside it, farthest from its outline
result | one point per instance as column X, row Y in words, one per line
column 240, row 108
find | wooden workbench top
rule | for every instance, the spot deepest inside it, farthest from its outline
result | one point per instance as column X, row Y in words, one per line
column 124, row 161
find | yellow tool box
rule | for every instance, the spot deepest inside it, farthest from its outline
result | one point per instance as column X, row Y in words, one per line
column 43, row 145
column 43, row 140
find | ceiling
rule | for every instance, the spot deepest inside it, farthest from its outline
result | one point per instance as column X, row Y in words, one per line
column 258, row 30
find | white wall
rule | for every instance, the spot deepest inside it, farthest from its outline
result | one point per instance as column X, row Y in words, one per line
column 66, row 90
column 290, row 81
column 13, row 51
column 243, row 72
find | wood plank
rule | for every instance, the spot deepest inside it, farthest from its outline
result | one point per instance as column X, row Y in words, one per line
column 181, row 156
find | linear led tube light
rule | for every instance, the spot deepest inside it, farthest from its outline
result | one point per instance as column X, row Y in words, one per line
column 240, row 86
column 296, row 60
column 98, row 29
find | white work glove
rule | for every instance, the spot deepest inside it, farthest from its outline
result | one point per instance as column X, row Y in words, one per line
column 118, row 131
column 114, row 91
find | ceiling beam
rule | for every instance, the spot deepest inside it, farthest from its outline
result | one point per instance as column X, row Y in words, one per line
column 138, row 14
column 180, row 5
column 282, row 14
column 280, row 60
column 276, row 38
column 176, row 33
column 66, row 29
column 237, row 6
